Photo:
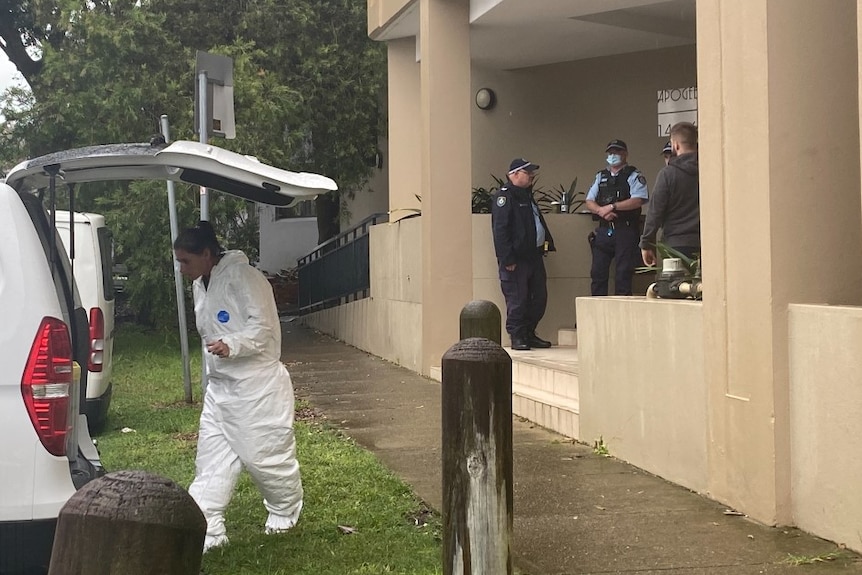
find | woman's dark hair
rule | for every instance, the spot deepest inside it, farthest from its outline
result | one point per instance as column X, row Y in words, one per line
column 197, row 239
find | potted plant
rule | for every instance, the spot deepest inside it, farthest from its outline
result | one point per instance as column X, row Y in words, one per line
column 481, row 198
column 561, row 199
column 663, row 252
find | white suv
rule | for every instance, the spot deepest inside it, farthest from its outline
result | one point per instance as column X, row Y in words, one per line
column 45, row 449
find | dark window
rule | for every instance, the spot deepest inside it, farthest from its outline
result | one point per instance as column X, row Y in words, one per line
column 304, row 209
column 106, row 247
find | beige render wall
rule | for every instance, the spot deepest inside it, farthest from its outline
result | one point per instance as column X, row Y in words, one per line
column 386, row 324
column 777, row 103
column 405, row 129
column 642, row 386
column 381, row 12
column 825, row 427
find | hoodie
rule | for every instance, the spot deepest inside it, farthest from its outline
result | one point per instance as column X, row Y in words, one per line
column 674, row 205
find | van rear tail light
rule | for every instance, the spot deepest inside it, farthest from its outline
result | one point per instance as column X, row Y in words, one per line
column 97, row 340
column 48, row 383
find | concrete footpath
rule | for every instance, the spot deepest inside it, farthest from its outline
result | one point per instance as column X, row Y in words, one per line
column 575, row 512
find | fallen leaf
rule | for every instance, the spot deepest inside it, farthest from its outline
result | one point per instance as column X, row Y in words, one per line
column 347, row 530
column 128, row 430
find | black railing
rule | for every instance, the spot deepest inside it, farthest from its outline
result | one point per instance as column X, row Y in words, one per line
column 337, row 271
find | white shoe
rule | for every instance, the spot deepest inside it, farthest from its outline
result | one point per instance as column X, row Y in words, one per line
column 278, row 524
column 213, row 542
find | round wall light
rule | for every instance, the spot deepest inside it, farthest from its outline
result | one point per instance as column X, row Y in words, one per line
column 485, row 98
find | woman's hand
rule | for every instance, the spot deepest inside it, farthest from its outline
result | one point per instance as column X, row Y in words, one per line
column 219, row 349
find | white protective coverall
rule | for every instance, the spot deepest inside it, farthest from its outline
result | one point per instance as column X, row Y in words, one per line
column 248, row 408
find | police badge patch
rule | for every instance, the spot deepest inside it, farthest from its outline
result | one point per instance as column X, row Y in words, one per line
column 642, row 180
column 501, row 201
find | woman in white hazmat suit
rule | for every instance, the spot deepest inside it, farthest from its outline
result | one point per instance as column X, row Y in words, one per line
column 248, row 407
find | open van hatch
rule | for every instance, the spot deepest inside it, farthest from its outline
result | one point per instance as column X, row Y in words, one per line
column 181, row 161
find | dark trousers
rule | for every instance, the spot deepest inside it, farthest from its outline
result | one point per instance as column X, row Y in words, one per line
column 526, row 292
column 622, row 246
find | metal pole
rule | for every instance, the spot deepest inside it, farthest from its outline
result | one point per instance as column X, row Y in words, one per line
column 203, row 127
column 205, row 202
column 178, row 279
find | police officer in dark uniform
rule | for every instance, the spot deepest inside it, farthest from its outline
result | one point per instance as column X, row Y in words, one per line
column 521, row 240
column 615, row 199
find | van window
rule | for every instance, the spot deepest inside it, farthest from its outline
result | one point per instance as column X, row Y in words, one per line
column 106, row 248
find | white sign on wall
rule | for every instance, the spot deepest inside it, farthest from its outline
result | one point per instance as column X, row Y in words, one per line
column 676, row 105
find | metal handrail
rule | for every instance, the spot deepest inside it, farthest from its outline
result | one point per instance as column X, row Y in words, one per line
column 338, row 269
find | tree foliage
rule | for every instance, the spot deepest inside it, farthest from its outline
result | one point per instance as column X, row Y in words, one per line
column 307, row 88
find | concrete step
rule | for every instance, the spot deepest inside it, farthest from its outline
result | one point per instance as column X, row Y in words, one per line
column 545, row 388
column 568, row 336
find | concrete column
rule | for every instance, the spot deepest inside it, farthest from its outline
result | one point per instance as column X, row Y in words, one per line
column 405, row 128
column 780, row 209
column 447, row 276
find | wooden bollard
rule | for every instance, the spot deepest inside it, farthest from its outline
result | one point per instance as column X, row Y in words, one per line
column 129, row 523
column 481, row 318
column 477, row 459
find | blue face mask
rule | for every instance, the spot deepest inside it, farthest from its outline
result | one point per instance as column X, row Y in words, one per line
column 614, row 159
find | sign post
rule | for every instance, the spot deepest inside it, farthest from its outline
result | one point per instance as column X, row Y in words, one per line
column 214, row 112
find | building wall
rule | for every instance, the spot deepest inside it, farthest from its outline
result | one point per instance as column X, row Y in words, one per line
column 777, row 104
column 284, row 241
column 374, row 199
column 642, row 387
column 779, row 100
column 386, row 323
column 405, row 129
column 381, row 12
column 562, row 116
column 826, row 430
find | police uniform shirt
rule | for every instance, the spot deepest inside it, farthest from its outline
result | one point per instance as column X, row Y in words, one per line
column 540, row 229
column 637, row 185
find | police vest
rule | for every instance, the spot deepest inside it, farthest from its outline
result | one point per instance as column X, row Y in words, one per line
column 616, row 189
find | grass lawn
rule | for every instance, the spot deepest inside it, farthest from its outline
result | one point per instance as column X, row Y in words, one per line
column 150, row 427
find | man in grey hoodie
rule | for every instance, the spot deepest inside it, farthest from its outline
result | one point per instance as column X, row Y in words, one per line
column 674, row 205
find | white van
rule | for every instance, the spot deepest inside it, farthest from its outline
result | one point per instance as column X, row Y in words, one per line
column 92, row 265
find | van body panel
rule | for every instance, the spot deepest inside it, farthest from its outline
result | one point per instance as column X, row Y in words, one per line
column 92, row 266
column 24, row 276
